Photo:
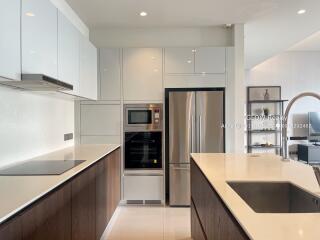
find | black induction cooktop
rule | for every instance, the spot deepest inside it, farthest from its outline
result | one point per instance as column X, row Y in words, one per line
column 47, row 167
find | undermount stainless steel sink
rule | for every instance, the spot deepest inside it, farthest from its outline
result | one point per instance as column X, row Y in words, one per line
column 276, row 197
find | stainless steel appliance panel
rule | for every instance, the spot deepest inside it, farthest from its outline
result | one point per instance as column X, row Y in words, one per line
column 210, row 117
column 181, row 126
column 180, row 184
column 143, row 117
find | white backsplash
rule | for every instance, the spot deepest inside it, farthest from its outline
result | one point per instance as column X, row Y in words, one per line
column 32, row 124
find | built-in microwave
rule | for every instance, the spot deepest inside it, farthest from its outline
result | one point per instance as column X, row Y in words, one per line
column 142, row 117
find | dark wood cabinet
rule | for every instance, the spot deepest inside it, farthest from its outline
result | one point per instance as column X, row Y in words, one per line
column 107, row 190
column 215, row 219
column 196, row 229
column 80, row 209
column 113, row 165
column 101, row 198
column 83, row 189
column 50, row 217
column 11, row 230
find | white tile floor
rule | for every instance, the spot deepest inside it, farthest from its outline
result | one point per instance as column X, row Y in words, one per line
column 150, row 223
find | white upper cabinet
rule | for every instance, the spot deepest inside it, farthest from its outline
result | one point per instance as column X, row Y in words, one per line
column 179, row 60
column 10, row 65
column 110, row 76
column 142, row 74
column 68, row 53
column 39, row 37
column 195, row 60
column 210, row 60
column 88, row 69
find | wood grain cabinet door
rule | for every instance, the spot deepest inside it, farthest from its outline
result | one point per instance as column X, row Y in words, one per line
column 83, row 189
column 11, row 230
column 113, row 165
column 196, row 228
column 101, row 198
column 229, row 229
column 107, row 190
column 214, row 217
column 49, row 218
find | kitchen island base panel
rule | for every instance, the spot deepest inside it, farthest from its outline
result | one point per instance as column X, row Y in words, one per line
column 208, row 211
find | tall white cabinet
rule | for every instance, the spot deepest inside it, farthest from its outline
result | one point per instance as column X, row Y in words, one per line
column 110, row 74
column 10, row 63
column 142, row 74
column 68, row 53
column 88, row 69
column 39, row 34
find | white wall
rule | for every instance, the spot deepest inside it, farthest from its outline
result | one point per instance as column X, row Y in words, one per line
column 235, row 92
column 295, row 72
column 161, row 37
column 32, row 124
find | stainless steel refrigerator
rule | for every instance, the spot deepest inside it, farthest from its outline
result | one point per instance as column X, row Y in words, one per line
column 195, row 125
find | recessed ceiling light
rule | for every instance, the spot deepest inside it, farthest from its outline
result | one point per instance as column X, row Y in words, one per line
column 189, row 61
column 30, row 14
column 143, row 14
column 301, row 11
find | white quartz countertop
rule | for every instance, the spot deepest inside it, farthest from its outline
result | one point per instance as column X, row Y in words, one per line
column 17, row 192
column 220, row 168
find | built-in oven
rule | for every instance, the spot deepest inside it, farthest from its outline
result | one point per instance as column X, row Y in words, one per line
column 143, row 150
column 143, row 136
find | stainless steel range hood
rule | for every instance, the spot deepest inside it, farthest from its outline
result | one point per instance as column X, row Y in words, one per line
column 39, row 82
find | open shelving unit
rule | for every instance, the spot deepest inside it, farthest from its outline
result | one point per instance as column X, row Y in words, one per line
column 264, row 119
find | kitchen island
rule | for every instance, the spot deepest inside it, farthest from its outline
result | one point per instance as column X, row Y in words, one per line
column 218, row 212
column 77, row 204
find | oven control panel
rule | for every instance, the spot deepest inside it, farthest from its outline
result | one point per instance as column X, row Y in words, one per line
column 156, row 115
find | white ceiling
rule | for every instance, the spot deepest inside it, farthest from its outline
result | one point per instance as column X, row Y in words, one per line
column 311, row 43
column 169, row 13
column 276, row 32
column 271, row 26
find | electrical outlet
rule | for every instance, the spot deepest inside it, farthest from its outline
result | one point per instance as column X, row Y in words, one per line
column 68, row 136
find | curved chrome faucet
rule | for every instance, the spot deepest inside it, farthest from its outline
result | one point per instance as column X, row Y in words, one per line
column 285, row 121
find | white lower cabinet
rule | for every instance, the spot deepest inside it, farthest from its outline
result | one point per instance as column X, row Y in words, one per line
column 142, row 74
column 88, row 70
column 10, row 58
column 143, row 188
column 114, row 139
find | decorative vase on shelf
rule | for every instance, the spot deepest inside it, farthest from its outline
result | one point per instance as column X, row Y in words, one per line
column 266, row 95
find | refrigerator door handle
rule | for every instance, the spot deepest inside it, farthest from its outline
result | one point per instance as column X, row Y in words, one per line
column 192, row 133
column 181, row 168
column 200, row 130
